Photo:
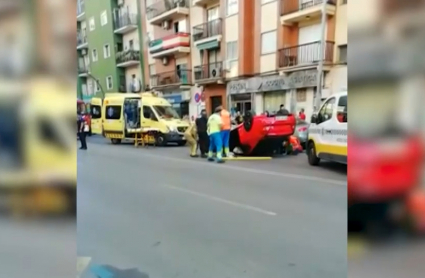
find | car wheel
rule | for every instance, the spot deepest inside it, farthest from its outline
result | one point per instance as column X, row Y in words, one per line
column 160, row 140
column 116, row 141
column 312, row 157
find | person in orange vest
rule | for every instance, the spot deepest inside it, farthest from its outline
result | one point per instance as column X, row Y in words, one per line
column 226, row 119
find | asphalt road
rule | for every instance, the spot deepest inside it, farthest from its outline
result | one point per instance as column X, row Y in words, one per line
column 158, row 213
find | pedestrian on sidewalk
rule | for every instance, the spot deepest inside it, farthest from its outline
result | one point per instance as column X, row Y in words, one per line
column 202, row 128
column 191, row 138
column 81, row 123
column 214, row 130
column 225, row 130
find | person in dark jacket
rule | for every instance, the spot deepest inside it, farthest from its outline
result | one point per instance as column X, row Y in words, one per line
column 282, row 111
column 81, row 132
column 203, row 138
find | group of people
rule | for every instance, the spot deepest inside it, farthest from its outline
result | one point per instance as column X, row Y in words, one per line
column 210, row 135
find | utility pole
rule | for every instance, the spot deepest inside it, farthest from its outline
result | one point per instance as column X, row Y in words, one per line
column 321, row 55
column 98, row 84
column 141, row 44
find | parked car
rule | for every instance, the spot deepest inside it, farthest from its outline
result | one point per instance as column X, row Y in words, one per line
column 301, row 132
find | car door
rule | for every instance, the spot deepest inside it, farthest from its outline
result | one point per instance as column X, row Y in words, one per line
column 149, row 119
column 324, row 127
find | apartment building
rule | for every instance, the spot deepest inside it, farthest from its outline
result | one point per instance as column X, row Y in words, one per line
column 108, row 47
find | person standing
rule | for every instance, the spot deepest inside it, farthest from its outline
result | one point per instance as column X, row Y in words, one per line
column 301, row 115
column 282, row 111
column 214, row 131
column 225, row 130
column 81, row 132
column 202, row 128
column 190, row 136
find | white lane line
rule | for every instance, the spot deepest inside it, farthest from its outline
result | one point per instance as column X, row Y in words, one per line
column 220, row 200
column 251, row 170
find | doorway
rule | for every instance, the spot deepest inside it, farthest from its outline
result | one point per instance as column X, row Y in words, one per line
column 215, row 102
column 242, row 103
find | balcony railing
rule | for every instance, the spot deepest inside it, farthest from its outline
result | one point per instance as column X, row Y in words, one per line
column 207, row 30
column 125, row 20
column 81, row 7
column 305, row 54
column 175, row 77
column 83, row 69
column 162, row 6
column 209, row 71
column 81, row 38
column 128, row 55
column 292, row 6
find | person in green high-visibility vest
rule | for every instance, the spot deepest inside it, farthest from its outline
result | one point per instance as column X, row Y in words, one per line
column 214, row 131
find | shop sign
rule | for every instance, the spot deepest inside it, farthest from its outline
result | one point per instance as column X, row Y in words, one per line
column 173, row 99
column 301, row 79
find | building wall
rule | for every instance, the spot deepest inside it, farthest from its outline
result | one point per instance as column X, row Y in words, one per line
column 269, row 23
column 98, row 38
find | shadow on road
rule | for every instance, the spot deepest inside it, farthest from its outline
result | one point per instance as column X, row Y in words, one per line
column 335, row 167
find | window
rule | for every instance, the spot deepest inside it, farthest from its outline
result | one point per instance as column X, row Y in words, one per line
column 343, row 2
column 113, row 112
column 232, row 51
column 96, row 112
column 342, row 110
column 94, row 55
column 325, row 113
column 342, row 49
column 109, row 84
column 232, row 7
column 131, row 44
column 268, row 42
column 301, row 95
column 96, row 86
column 103, row 18
column 92, row 24
column 152, row 70
column 49, row 134
column 148, row 113
column 106, row 51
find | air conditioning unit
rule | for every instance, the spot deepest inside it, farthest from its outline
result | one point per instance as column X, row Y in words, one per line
column 214, row 72
column 166, row 25
column 120, row 2
column 84, row 52
column 165, row 61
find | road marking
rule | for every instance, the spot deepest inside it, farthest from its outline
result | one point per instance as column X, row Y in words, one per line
column 252, row 170
column 248, row 158
column 220, row 200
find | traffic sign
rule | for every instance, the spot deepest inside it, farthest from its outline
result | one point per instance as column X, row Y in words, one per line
column 202, row 97
column 197, row 97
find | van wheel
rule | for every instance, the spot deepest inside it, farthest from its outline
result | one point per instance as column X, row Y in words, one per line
column 116, row 141
column 312, row 157
column 160, row 140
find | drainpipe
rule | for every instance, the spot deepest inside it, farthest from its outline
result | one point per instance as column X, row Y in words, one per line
column 321, row 56
column 141, row 44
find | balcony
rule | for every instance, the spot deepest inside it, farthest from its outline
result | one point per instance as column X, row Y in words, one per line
column 163, row 10
column 170, row 45
column 305, row 55
column 210, row 73
column 82, row 41
column 175, row 78
column 83, row 70
column 203, row 3
column 207, row 32
column 81, row 10
column 293, row 11
column 128, row 58
column 125, row 23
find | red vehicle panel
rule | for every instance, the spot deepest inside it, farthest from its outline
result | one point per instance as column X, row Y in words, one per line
column 262, row 135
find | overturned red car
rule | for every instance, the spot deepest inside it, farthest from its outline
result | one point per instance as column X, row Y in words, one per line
column 262, row 135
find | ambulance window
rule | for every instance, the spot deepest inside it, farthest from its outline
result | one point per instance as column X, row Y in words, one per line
column 96, row 112
column 113, row 112
column 325, row 113
column 149, row 114
column 342, row 110
column 50, row 135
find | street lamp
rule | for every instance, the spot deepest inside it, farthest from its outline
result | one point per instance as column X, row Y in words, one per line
column 321, row 56
column 98, row 84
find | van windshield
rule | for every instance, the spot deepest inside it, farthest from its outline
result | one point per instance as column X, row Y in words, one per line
column 166, row 112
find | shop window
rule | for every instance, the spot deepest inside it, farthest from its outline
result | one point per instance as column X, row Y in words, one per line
column 113, row 112
column 325, row 113
column 301, row 95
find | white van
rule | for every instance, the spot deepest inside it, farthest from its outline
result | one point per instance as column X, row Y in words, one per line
column 327, row 133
